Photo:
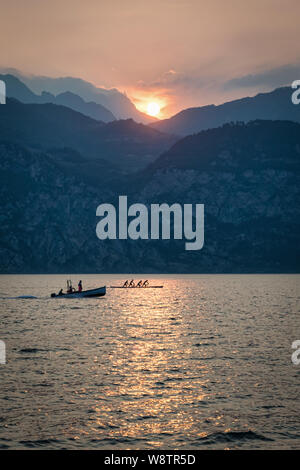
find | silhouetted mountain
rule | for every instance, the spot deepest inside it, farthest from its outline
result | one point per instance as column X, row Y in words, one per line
column 93, row 110
column 257, row 145
column 246, row 175
column 126, row 144
column 118, row 103
column 16, row 89
column 275, row 105
column 46, row 215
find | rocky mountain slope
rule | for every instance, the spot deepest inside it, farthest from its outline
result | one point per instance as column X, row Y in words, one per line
column 246, row 175
column 248, row 178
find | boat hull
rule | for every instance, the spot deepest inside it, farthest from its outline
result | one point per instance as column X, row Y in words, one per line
column 99, row 292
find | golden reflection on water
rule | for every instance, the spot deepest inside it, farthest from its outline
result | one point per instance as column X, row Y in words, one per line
column 189, row 365
column 151, row 355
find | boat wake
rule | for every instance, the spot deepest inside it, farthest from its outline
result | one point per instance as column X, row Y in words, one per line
column 20, row 297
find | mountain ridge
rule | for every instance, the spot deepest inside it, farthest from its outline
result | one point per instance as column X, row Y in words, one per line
column 274, row 105
column 112, row 99
column 15, row 88
column 125, row 143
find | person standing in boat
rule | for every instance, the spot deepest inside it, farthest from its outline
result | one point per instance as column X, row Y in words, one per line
column 80, row 286
column 69, row 287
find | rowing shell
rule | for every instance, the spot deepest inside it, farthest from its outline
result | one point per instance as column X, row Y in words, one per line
column 136, row 287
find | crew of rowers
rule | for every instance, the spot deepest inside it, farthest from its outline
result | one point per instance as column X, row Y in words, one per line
column 139, row 284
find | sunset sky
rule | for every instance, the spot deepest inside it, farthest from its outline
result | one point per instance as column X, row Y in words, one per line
column 177, row 53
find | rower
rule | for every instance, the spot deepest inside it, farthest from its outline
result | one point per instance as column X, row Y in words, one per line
column 140, row 283
column 146, row 283
column 125, row 283
column 132, row 283
column 60, row 292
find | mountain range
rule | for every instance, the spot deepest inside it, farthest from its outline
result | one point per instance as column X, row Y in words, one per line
column 246, row 175
column 274, row 105
column 59, row 161
column 118, row 104
column 124, row 143
column 108, row 105
column 15, row 88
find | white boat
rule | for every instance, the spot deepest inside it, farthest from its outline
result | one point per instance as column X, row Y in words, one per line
column 98, row 292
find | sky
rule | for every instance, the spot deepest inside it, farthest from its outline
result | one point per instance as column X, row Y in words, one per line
column 177, row 53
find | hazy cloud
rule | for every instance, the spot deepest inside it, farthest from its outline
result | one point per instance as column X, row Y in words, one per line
column 276, row 77
column 183, row 53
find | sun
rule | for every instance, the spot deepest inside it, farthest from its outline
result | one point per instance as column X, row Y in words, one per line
column 153, row 109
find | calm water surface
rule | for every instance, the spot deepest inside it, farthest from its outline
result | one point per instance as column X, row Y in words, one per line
column 203, row 363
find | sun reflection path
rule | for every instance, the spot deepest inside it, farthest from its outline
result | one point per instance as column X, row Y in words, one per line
column 151, row 384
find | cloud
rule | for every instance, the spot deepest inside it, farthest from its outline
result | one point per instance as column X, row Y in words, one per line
column 172, row 80
column 175, row 89
column 275, row 77
column 170, row 89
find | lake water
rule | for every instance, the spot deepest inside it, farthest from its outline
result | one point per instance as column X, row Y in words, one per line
column 204, row 363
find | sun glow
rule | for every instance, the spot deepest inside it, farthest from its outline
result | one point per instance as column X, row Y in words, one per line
column 153, row 109
column 153, row 104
